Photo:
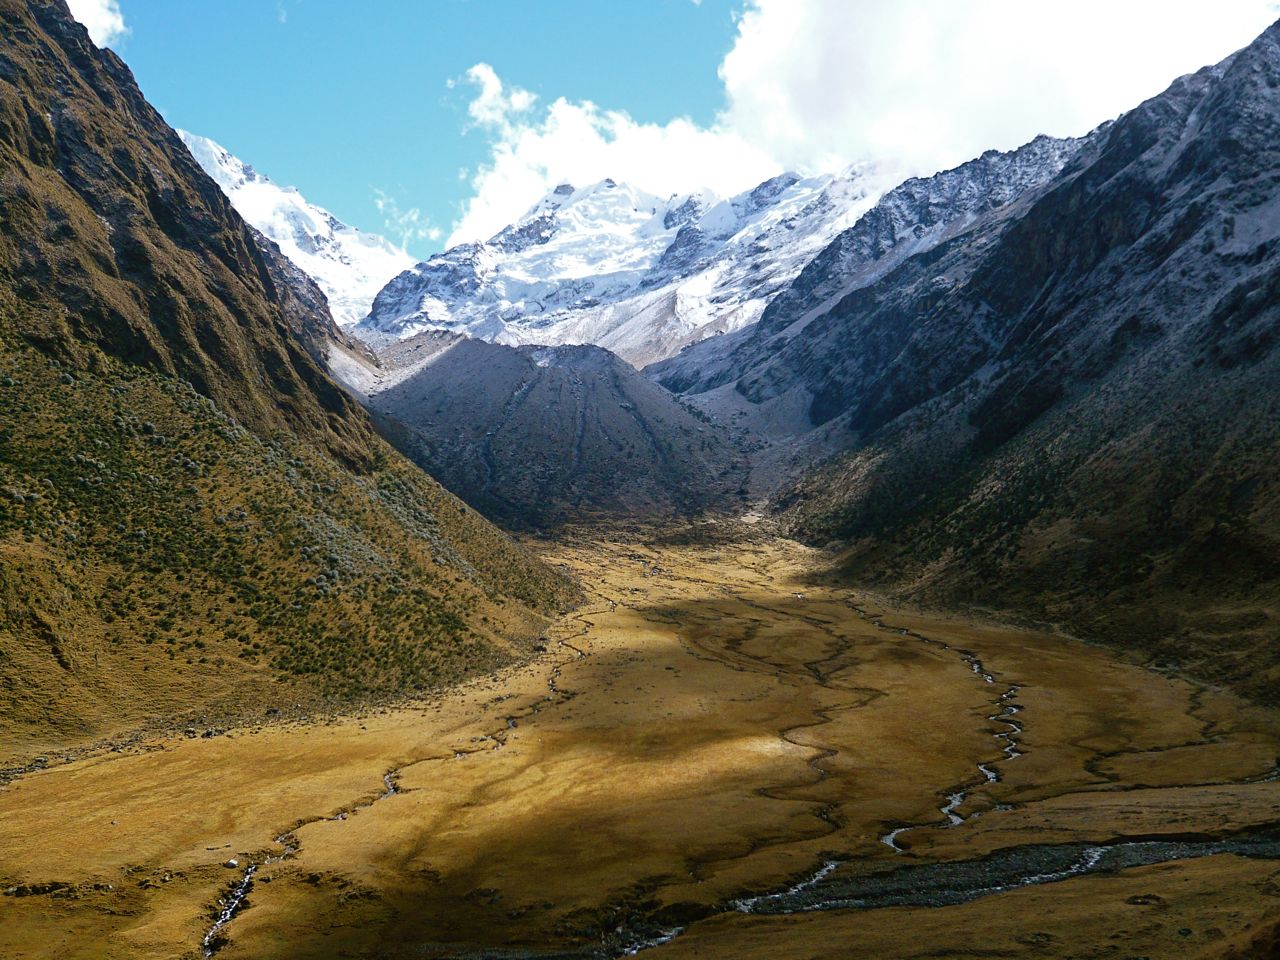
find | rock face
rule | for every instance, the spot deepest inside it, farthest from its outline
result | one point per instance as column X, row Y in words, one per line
column 305, row 308
column 179, row 474
column 1068, row 404
column 349, row 265
column 910, row 220
column 539, row 436
column 613, row 266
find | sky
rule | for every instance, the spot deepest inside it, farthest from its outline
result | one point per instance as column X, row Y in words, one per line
column 440, row 121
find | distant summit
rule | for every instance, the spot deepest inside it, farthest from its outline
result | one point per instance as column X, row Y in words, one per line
column 615, row 266
column 349, row 265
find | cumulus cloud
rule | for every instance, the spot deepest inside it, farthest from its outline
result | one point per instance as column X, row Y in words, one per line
column 495, row 104
column 932, row 83
column 102, row 18
column 814, row 85
column 533, row 149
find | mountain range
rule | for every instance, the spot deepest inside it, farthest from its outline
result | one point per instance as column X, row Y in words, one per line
column 606, row 264
column 611, row 265
column 695, row 575
column 1045, row 382
column 962, row 381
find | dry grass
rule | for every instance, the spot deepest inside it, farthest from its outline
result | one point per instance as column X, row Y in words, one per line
column 161, row 563
column 720, row 736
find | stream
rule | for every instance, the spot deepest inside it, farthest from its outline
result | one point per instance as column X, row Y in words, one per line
column 1006, row 709
column 953, row 882
column 844, row 884
column 948, row 883
column 236, row 898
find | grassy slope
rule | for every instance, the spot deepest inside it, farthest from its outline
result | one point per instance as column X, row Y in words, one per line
column 195, row 518
column 157, row 558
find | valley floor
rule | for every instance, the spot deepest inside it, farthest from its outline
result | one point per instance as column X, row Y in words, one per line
column 711, row 752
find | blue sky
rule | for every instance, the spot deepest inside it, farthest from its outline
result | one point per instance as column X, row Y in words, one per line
column 438, row 121
column 343, row 99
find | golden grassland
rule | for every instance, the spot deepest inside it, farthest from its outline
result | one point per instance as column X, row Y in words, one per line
column 160, row 560
column 710, row 723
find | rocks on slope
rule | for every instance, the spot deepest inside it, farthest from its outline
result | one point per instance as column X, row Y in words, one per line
column 634, row 273
column 1071, row 405
column 192, row 509
column 538, row 436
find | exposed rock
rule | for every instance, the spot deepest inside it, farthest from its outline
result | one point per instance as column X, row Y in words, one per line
column 542, row 435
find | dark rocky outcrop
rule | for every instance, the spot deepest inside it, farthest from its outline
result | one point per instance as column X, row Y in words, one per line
column 539, row 436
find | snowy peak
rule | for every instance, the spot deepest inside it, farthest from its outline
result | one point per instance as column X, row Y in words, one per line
column 227, row 170
column 349, row 265
column 603, row 209
column 599, row 201
column 613, row 265
column 913, row 218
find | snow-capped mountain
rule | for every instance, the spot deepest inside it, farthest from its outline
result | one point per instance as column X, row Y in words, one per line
column 349, row 265
column 613, row 266
column 912, row 219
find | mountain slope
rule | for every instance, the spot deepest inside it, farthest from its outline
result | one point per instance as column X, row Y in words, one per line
column 539, row 436
column 194, row 514
column 349, row 265
column 910, row 220
column 1073, row 408
column 613, row 266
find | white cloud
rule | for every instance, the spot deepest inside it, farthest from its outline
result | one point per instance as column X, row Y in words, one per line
column 581, row 143
column 404, row 226
column 813, row 85
column 495, row 104
column 935, row 82
column 102, row 18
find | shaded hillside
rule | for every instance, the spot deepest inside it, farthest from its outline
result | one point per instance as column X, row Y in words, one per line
column 536, row 436
column 1075, row 410
column 193, row 512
